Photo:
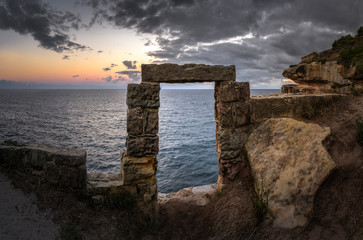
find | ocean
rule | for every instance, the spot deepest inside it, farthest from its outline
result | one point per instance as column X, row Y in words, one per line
column 95, row 120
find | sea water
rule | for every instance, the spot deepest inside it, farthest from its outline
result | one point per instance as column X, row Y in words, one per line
column 95, row 120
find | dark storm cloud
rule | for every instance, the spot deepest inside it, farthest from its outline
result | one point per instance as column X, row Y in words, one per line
column 280, row 31
column 129, row 64
column 48, row 27
column 106, row 69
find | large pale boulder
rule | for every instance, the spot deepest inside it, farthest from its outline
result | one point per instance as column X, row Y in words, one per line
column 288, row 158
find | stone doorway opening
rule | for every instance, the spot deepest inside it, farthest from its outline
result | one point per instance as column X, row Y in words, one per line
column 231, row 111
column 187, row 141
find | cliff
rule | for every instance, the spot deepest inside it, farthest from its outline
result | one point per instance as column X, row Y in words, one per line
column 334, row 70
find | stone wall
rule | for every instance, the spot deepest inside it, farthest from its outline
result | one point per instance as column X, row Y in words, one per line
column 289, row 106
column 60, row 167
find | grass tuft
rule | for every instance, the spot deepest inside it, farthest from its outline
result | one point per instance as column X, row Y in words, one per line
column 260, row 205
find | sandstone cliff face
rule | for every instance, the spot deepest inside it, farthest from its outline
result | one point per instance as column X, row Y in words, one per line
column 334, row 70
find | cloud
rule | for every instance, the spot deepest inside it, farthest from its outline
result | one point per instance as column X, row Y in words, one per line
column 107, row 79
column 113, row 65
column 133, row 75
column 100, row 51
column 129, row 64
column 75, row 76
column 47, row 26
column 260, row 37
column 65, row 57
column 106, row 69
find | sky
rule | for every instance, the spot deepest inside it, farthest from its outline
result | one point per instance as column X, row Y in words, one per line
column 102, row 43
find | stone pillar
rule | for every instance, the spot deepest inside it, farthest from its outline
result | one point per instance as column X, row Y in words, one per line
column 232, row 115
column 138, row 161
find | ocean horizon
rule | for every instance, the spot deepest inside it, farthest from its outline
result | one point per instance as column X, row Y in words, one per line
column 95, row 120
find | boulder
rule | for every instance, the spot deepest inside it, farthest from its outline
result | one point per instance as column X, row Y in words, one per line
column 288, row 159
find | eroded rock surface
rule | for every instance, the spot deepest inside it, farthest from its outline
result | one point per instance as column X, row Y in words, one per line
column 288, row 158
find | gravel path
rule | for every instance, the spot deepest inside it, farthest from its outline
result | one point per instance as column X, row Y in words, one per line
column 20, row 217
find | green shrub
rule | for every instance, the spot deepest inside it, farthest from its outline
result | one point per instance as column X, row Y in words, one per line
column 359, row 135
column 260, row 205
column 360, row 32
column 344, row 42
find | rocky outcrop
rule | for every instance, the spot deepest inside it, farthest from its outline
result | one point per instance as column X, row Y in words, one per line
column 334, row 70
column 287, row 157
column 174, row 73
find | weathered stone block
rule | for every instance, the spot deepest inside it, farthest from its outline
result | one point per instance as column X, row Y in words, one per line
column 135, row 121
column 52, row 173
column 140, row 146
column 36, row 158
column 73, row 177
column 137, row 170
column 143, row 95
column 232, row 171
column 11, row 156
column 174, row 73
column 232, row 114
column 231, row 138
column 271, row 107
column 230, row 154
column 102, row 183
column 148, row 191
column 232, row 91
column 70, row 157
column 152, row 121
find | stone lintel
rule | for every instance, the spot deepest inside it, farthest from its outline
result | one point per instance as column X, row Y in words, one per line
column 174, row 73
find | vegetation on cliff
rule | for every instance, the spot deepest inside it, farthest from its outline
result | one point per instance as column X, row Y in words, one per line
column 351, row 50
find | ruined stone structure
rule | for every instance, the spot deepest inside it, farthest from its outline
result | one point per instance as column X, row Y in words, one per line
column 242, row 141
column 139, row 161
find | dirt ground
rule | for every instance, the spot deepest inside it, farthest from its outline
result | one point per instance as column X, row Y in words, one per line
column 338, row 207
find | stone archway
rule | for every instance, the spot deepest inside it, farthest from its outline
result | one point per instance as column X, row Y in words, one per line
column 138, row 161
